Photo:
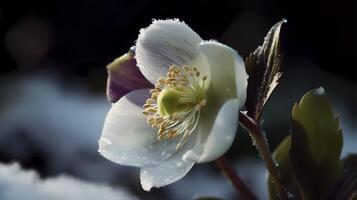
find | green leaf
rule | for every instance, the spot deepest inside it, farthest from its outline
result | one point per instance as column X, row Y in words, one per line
column 264, row 69
column 316, row 145
column 347, row 186
column 282, row 158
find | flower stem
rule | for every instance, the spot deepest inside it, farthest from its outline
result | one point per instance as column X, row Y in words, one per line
column 258, row 136
column 237, row 182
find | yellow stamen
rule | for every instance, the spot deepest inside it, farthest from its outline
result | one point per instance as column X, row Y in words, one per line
column 175, row 104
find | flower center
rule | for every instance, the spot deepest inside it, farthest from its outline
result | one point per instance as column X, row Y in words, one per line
column 175, row 103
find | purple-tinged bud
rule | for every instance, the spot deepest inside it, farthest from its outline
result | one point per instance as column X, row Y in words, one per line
column 124, row 76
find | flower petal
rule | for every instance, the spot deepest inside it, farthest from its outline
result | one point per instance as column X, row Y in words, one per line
column 228, row 75
column 241, row 81
column 165, row 43
column 221, row 136
column 172, row 170
column 220, row 117
column 126, row 137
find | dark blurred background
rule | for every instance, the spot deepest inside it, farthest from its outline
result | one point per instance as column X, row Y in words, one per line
column 52, row 79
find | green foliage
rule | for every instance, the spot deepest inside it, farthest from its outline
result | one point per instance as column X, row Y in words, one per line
column 347, row 186
column 281, row 157
column 309, row 159
column 264, row 69
column 316, row 145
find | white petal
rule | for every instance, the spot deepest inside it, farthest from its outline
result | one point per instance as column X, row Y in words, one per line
column 241, row 81
column 127, row 139
column 165, row 43
column 228, row 75
column 172, row 170
column 221, row 136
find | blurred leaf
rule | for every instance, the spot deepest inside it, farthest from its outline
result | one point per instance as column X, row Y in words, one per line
column 347, row 186
column 316, row 145
column 264, row 69
column 282, row 158
column 354, row 196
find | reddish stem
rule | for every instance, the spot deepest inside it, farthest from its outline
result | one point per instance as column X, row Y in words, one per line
column 258, row 136
column 237, row 182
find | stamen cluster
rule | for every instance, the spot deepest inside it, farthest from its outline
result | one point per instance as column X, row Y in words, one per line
column 190, row 85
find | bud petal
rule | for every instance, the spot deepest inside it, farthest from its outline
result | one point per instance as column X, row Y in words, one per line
column 124, row 76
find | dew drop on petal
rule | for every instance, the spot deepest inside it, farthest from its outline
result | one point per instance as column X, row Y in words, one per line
column 228, row 138
column 103, row 144
column 146, row 184
column 290, row 195
column 163, row 154
column 166, row 154
column 179, row 164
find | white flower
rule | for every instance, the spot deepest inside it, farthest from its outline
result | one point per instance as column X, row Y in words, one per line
column 191, row 115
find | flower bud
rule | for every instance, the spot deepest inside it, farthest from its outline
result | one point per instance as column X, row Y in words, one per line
column 124, row 76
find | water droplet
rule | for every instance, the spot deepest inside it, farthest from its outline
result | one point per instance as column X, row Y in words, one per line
column 166, row 154
column 104, row 142
column 290, row 195
column 254, row 142
column 179, row 164
column 132, row 50
column 228, row 138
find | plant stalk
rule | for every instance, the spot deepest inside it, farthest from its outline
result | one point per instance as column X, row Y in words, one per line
column 237, row 182
column 258, row 136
